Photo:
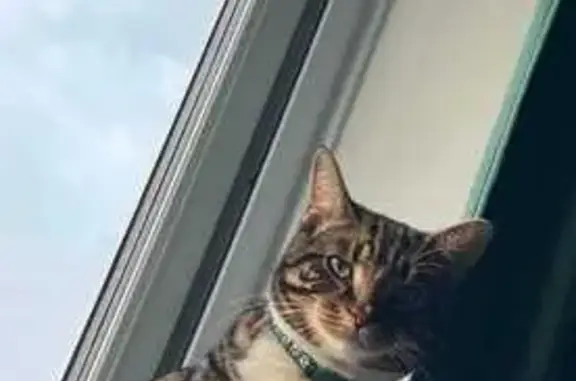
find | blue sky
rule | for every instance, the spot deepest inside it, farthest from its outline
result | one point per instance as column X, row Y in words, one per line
column 87, row 93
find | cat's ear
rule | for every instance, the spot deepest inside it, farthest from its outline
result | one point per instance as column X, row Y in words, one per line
column 465, row 241
column 328, row 198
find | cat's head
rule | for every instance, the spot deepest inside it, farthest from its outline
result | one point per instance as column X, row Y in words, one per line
column 362, row 287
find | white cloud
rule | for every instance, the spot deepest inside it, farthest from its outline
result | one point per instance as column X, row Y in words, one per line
column 82, row 116
column 54, row 9
column 53, row 58
column 95, row 143
column 12, row 16
column 17, row 16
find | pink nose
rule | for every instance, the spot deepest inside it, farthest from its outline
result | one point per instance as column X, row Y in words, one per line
column 360, row 314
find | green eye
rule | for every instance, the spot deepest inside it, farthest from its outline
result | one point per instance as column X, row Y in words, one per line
column 339, row 267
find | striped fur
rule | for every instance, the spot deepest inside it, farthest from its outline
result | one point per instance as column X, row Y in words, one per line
column 355, row 289
column 221, row 363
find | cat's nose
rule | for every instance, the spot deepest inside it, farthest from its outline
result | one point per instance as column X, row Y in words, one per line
column 360, row 314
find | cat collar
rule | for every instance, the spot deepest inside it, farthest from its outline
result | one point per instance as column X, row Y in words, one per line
column 304, row 361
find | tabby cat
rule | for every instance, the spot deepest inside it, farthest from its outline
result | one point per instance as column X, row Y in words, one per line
column 354, row 290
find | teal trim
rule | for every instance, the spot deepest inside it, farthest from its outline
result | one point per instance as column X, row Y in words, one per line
column 486, row 175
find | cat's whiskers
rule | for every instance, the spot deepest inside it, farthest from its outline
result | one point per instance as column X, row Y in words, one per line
column 287, row 315
column 405, row 352
column 305, row 331
column 426, row 270
column 247, row 301
column 286, row 304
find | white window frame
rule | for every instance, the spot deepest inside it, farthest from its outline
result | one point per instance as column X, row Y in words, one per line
column 140, row 307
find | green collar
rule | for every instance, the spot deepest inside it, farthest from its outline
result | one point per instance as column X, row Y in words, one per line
column 306, row 363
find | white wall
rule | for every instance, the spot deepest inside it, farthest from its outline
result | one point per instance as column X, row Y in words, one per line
column 432, row 93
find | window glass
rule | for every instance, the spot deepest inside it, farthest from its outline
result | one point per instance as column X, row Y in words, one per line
column 88, row 90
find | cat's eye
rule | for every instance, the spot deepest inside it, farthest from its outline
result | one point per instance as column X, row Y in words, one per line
column 309, row 274
column 339, row 266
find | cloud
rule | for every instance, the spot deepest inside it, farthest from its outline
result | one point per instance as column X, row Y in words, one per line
column 82, row 122
column 88, row 91
column 54, row 9
column 12, row 17
column 17, row 16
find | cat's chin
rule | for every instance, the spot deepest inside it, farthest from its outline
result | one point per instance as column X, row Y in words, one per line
column 369, row 338
column 371, row 350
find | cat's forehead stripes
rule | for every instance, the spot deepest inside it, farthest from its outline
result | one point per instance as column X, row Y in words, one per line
column 364, row 252
column 338, row 241
column 365, row 230
column 382, row 239
column 398, row 239
column 370, row 236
